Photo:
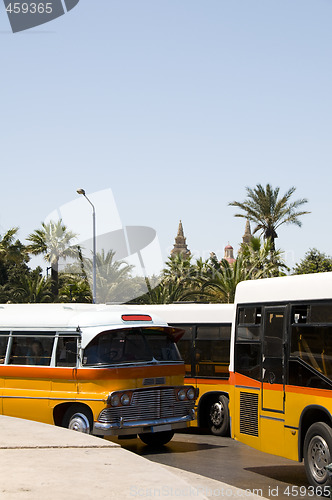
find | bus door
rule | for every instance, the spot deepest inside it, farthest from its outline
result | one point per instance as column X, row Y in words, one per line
column 273, row 362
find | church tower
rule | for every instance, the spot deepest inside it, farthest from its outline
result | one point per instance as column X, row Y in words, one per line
column 180, row 245
column 246, row 238
column 229, row 255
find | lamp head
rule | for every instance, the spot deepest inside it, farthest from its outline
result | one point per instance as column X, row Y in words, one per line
column 81, row 191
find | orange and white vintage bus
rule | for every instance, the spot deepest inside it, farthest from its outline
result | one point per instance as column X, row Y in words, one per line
column 106, row 370
column 205, row 348
column 281, row 370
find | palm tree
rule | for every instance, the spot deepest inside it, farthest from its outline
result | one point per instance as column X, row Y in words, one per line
column 224, row 277
column 167, row 292
column 180, row 281
column 13, row 263
column 113, row 277
column 178, row 267
column 220, row 278
column 12, row 250
column 262, row 259
column 33, row 289
column 54, row 240
column 75, row 288
column 268, row 211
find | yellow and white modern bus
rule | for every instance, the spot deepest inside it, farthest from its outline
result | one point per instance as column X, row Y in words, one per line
column 106, row 370
column 205, row 348
column 281, row 370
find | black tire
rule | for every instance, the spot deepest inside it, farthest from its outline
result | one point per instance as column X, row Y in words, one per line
column 317, row 453
column 218, row 416
column 156, row 439
column 78, row 418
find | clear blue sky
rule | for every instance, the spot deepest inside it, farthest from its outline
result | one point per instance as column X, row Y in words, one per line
column 176, row 106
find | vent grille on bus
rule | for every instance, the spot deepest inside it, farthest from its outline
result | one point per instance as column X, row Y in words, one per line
column 249, row 413
column 148, row 404
column 154, row 381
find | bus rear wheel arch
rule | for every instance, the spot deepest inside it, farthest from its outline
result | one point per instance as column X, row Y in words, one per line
column 78, row 418
column 317, row 451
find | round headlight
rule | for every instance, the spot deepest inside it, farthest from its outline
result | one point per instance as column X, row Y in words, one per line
column 182, row 394
column 115, row 400
column 125, row 399
column 190, row 393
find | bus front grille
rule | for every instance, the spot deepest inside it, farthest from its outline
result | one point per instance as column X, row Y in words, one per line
column 148, row 404
column 249, row 413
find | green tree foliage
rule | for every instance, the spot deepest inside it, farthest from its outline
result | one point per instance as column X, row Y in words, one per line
column 213, row 280
column 54, row 240
column 268, row 211
column 114, row 282
column 13, row 264
column 179, row 281
column 32, row 289
column 313, row 262
column 220, row 287
column 74, row 288
column 166, row 292
column 261, row 260
column 12, row 255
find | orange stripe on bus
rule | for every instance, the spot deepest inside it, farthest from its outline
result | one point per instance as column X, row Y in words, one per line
column 238, row 379
column 132, row 372
column 310, row 391
column 51, row 373
column 211, row 381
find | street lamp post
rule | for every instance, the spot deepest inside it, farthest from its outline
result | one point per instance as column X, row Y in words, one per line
column 81, row 191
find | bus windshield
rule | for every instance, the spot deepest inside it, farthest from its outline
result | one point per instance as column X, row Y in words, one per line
column 131, row 346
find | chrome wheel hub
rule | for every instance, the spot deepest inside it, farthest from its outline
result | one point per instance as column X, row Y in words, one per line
column 319, row 458
column 217, row 414
column 80, row 423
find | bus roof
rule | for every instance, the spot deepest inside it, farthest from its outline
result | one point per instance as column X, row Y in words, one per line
column 299, row 287
column 89, row 319
column 186, row 313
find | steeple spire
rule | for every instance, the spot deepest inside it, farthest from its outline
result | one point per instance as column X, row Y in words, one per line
column 246, row 238
column 180, row 245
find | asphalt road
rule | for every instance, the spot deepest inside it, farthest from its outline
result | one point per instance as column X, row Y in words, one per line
column 226, row 460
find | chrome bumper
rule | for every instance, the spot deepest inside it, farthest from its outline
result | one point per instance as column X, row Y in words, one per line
column 123, row 427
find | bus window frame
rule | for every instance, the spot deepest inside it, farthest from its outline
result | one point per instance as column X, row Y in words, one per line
column 291, row 357
column 35, row 333
column 194, row 372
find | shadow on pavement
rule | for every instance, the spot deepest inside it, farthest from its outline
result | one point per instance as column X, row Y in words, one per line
column 294, row 474
column 137, row 446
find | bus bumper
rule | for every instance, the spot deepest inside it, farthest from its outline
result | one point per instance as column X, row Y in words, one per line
column 122, row 427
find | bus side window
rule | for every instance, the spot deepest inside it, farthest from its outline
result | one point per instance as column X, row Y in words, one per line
column 16, row 357
column 66, row 353
column 248, row 359
column 31, row 350
column 212, row 350
column 40, row 351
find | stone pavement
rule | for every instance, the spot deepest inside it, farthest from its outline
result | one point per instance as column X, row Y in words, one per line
column 39, row 462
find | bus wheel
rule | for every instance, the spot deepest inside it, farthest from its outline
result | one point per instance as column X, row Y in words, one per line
column 317, row 453
column 218, row 417
column 77, row 418
column 156, row 439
